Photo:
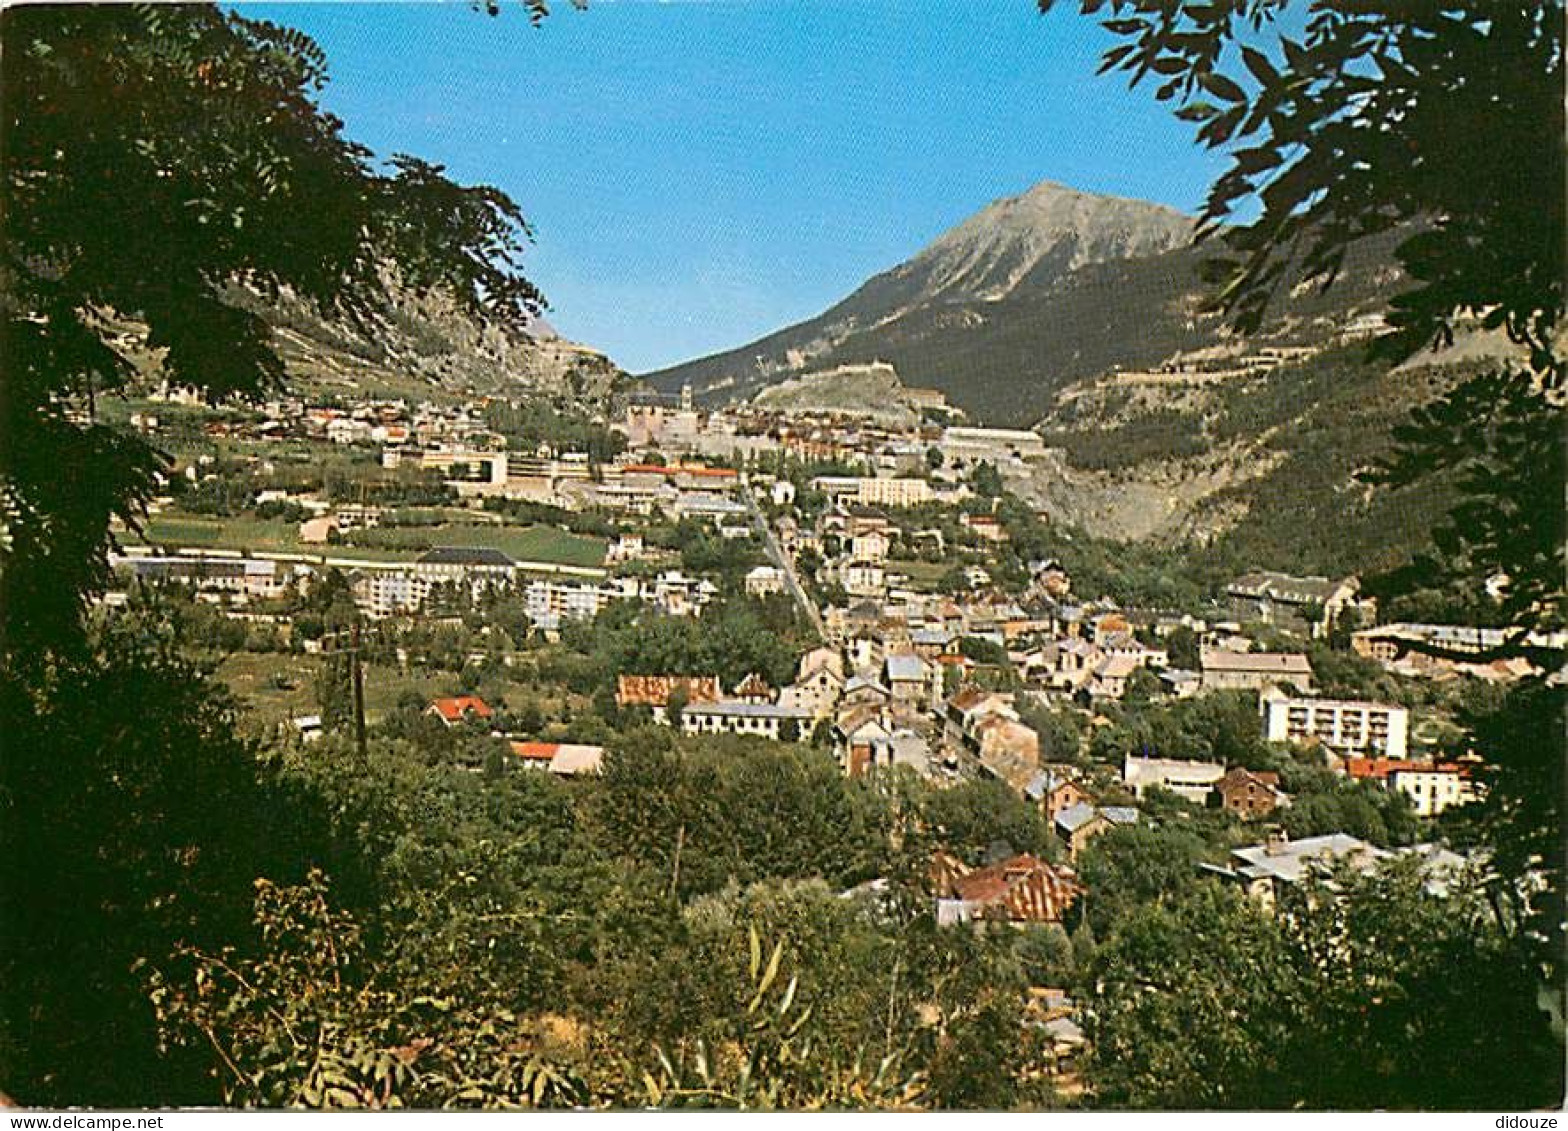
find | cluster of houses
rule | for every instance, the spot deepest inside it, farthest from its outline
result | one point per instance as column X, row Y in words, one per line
column 570, row 481
column 887, row 705
column 889, row 442
column 367, row 421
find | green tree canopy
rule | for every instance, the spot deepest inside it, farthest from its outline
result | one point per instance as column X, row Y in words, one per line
column 1348, row 996
column 167, row 168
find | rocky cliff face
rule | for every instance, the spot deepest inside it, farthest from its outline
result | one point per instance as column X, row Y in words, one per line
column 430, row 348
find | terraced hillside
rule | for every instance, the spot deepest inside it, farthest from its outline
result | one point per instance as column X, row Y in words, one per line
column 1257, row 463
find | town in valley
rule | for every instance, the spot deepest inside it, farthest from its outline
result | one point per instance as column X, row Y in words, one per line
column 631, row 556
column 872, row 595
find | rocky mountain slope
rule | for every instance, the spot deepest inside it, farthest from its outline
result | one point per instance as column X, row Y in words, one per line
column 1049, row 229
column 1028, row 296
column 872, row 392
column 429, row 350
column 433, row 349
column 1014, row 246
column 1083, row 318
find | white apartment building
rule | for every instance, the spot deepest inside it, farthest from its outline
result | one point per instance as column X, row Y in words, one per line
column 1432, row 788
column 894, row 492
column 389, row 592
column 1345, row 726
column 874, row 491
column 547, row 603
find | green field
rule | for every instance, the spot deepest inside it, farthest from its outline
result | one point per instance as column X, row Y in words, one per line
column 924, row 575
column 525, row 543
column 236, row 533
column 253, row 678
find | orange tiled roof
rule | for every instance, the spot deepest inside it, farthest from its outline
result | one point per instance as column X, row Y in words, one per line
column 455, row 709
column 536, row 751
column 1374, row 768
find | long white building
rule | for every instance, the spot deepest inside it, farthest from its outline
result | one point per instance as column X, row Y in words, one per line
column 1345, row 726
column 738, row 716
column 874, row 491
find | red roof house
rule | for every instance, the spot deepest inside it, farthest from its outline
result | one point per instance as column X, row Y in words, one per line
column 460, row 708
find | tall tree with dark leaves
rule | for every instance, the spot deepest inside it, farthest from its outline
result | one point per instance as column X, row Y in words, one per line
column 158, row 160
column 1442, row 122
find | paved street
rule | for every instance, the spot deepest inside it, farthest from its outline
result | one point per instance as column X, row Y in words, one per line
column 779, row 558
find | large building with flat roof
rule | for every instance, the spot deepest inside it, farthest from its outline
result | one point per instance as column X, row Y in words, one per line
column 1345, row 726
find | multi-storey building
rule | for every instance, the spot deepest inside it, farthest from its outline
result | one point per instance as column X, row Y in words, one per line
column 1344, row 726
column 894, row 492
column 389, row 592
column 889, row 492
column 548, row 603
column 1431, row 786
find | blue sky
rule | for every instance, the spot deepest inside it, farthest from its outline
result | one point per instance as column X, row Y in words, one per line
column 701, row 172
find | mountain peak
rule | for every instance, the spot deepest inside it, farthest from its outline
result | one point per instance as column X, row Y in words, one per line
column 987, row 255
column 1033, row 242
